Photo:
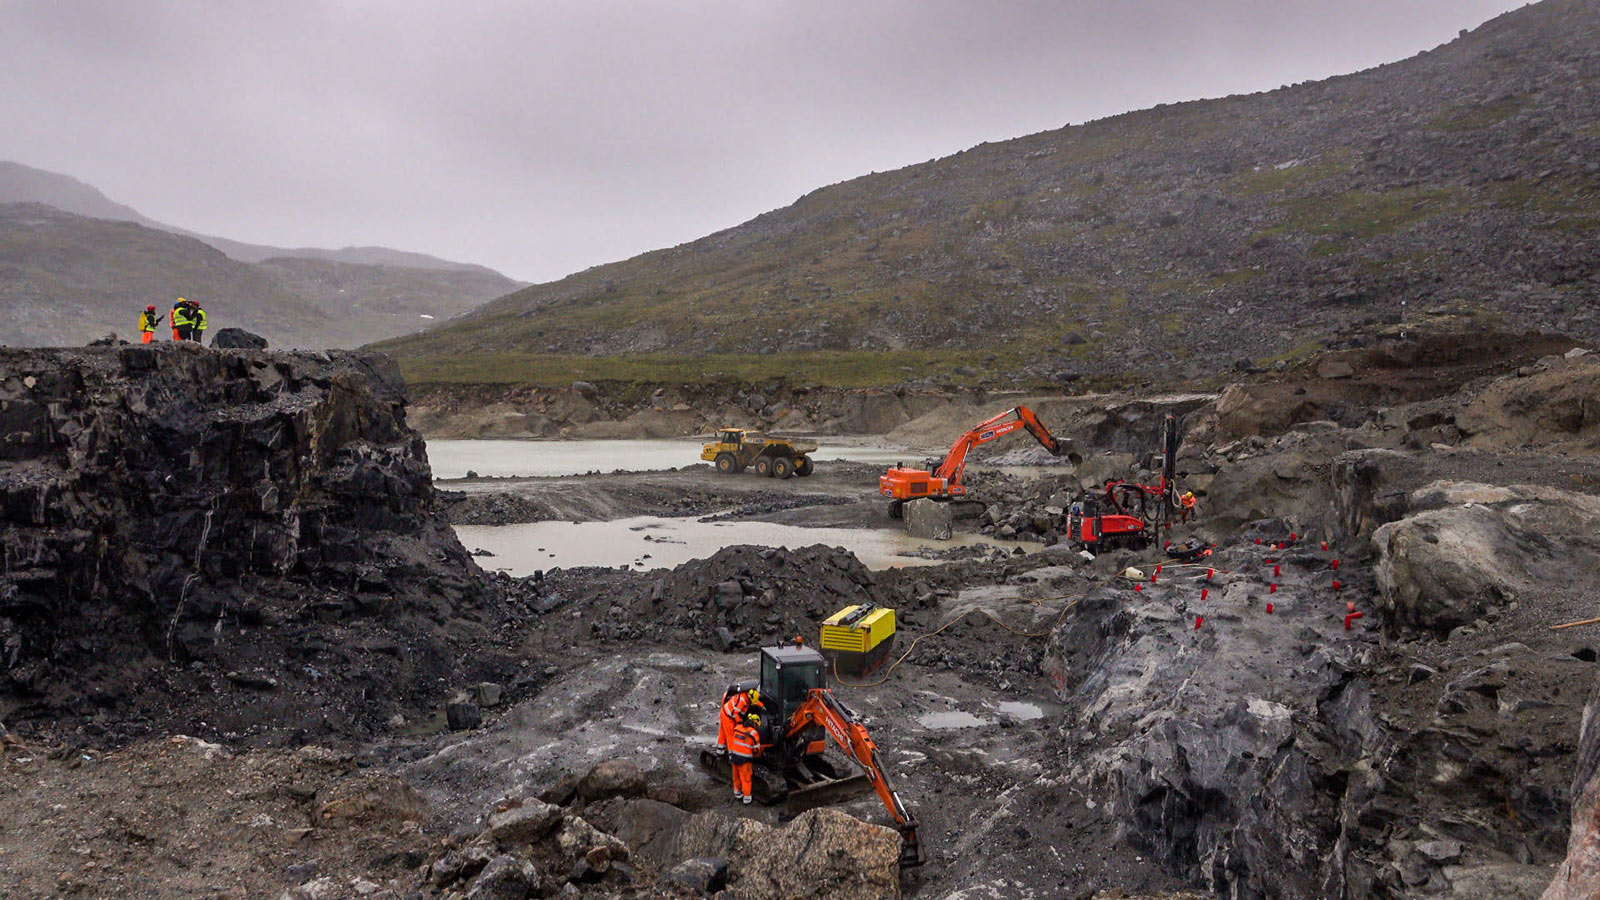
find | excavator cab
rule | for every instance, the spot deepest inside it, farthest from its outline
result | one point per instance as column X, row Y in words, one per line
column 788, row 676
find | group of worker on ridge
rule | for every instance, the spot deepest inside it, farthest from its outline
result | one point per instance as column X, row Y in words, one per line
column 187, row 317
column 739, row 736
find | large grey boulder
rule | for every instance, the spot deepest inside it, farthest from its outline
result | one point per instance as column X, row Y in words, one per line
column 929, row 519
column 823, row 854
column 1469, row 547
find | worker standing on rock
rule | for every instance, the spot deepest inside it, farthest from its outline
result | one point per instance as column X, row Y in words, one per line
column 735, row 704
column 197, row 322
column 181, row 326
column 744, row 745
column 148, row 320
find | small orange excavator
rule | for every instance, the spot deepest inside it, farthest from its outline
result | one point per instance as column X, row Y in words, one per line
column 798, row 716
column 901, row 484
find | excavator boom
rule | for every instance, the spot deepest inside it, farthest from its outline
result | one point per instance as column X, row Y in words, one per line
column 844, row 727
column 945, row 481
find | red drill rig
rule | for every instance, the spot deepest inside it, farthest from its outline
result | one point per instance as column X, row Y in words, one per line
column 1128, row 514
column 944, row 483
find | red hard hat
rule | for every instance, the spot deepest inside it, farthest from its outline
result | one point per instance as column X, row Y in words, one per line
column 150, row 307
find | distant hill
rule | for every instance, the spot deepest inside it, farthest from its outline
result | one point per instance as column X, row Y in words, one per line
column 1177, row 241
column 75, row 266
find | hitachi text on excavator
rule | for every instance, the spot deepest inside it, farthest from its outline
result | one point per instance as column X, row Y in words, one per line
column 901, row 484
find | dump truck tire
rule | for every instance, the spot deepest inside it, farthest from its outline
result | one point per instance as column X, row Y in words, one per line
column 802, row 466
column 782, row 467
column 764, row 466
column 726, row 464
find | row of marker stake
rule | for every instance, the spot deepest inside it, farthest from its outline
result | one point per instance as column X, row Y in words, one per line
column 1351, row 614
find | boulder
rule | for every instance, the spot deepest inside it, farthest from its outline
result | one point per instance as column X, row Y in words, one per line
column 824, row 854
column 238, row 339
column 1468, row 547
column 612, row 778
column 462, row 715
column 523, row 824
column 504, row 878
column 929, row 519
column 705, row 874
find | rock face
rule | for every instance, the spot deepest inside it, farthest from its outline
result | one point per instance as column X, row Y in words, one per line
column 246, row 535
column 1470, row 547
column 1579, row 875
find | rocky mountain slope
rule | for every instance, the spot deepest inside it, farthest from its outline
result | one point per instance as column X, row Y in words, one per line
column 1177, row 239
column 75, row 266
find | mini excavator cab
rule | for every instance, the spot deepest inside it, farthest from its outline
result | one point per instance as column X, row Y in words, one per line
column 788, row 676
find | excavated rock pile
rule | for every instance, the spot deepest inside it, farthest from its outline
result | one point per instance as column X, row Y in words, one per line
column 237, row 543
column 743, row 597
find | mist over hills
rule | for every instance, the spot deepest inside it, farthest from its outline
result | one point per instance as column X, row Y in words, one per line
column 1179, row 240
column 75, row 265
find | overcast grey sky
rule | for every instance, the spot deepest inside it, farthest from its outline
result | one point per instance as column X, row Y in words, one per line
column 543, row 138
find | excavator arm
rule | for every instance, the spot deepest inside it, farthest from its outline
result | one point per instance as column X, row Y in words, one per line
column 955, row 462
column 823, row 708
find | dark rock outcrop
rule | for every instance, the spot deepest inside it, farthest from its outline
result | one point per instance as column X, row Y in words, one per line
column 238, row 339
column 240, row 543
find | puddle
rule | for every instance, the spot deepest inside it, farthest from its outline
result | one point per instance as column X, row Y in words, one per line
column 1021, row 711
column 642, row 543
column 951, row 719
column 549, row 459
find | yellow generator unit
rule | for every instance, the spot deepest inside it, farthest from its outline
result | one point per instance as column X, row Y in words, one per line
column 857, row 639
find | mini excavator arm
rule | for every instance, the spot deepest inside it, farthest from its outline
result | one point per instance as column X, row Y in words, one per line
column 841, row 724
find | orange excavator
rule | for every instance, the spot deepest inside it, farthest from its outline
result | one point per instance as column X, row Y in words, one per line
column 901, row 484
column 799, row 714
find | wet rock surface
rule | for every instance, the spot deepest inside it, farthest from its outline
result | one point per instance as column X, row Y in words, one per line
column 241, row 539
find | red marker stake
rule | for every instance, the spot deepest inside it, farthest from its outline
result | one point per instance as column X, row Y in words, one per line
column 1209, row 573
column 1137, row 588
column 1158, row 570
column 1272, row 588
column 1293, row 537
column 1276, row 571
column 1351, row 617
column 1324, row 545
column 1204, row 592
column 1336, row 585
column 1197, row 621
column 1269, row 609
column 1334, row 564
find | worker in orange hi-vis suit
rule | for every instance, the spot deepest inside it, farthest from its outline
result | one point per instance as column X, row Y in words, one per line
column 743, row 748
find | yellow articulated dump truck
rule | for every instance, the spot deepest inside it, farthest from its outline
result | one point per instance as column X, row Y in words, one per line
column 737, row 449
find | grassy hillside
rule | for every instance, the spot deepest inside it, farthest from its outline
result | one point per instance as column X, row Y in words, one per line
column 1175, row 241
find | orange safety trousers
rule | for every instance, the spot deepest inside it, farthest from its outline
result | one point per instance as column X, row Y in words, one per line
column 743, row 745
column 148, row 337
column 741, row 776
